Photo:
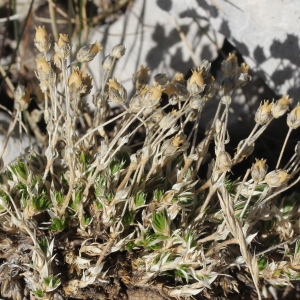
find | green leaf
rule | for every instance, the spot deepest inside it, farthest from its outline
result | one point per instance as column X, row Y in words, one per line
column 129, row 246
column 140, row 198
column 262, row 263
column 38, row 293
column 297, row 247
column 21, row 169
column 160, row 222
column 44, row 245
column 158, row 194
column 58, row 224
column 128, row 217
column 41, row 202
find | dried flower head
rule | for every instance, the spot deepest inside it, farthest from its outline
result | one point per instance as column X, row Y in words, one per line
column 116, row 92
column 230, row 65
column 259, row 170
column 88, row 52
column 79, row 83
column 277, row 178
column 281, row 106
column 118, row 51
column 246, row 150
column 293, row 118
column 141, row 78
column 263, row 113
column 22, row 97
column 152, row 96
column 224, row 161
column 107, row 63
column 42, row 39
column 62, row 47
column 195, row 84
column 43, row 66
column 242, row 75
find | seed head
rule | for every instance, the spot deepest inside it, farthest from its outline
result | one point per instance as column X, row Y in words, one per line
column 22, row 98
column 42, row 39
column 62, row 47
column 152, row 96
column 281, row 106
column 195, row 84
column 118, row 51
column 79, row 83
column 263, row 113
column 277, row 178
column 259, row 170
column 293, row 118
column 42, row 65
column 117, row 93
column 243, row 75
column 141, row 78
column 246, row 151
column 88, row 52
column 107, row 63
column 230, row 65
column 224, row 161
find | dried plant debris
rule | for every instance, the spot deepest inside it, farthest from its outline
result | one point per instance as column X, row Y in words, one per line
column 115, row 203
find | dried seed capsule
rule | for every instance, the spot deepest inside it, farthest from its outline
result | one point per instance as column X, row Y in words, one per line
column 195, row 84
column 224, row 161
column 230, row 65
column 242, row 75
column 204, row 68
column 247, row 150
column 42, row 39
column 168, row 120
column 107, row 63
column 22, row 97
column 79, row 83
column 116, row 92
column 263, row 113
column 281, row 106
column 293, row 118
column 160, row 79
column 141, row 78
column 259, row 170
column 62, row 47
column 87, row 53
column 277, row 178
column 118, row 51
column 152, row 96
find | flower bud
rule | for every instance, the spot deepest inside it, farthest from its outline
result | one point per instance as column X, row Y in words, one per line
column 293, row 118
column 141, row 78
column 22, row 98
column 277, row 178
column 263, row 113
column 118, row 51
column 259, row 170
column 116, row 92
column 62, row 47
column 281, row 106
column 42, row 39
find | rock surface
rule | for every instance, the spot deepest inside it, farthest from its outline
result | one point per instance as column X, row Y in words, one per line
column 265, row 32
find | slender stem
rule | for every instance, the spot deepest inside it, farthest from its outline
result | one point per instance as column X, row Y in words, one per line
column 283, row 147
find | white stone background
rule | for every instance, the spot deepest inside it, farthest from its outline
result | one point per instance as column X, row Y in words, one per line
column 265, row 32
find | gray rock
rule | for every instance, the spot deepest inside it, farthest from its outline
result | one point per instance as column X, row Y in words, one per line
column 266, row 33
